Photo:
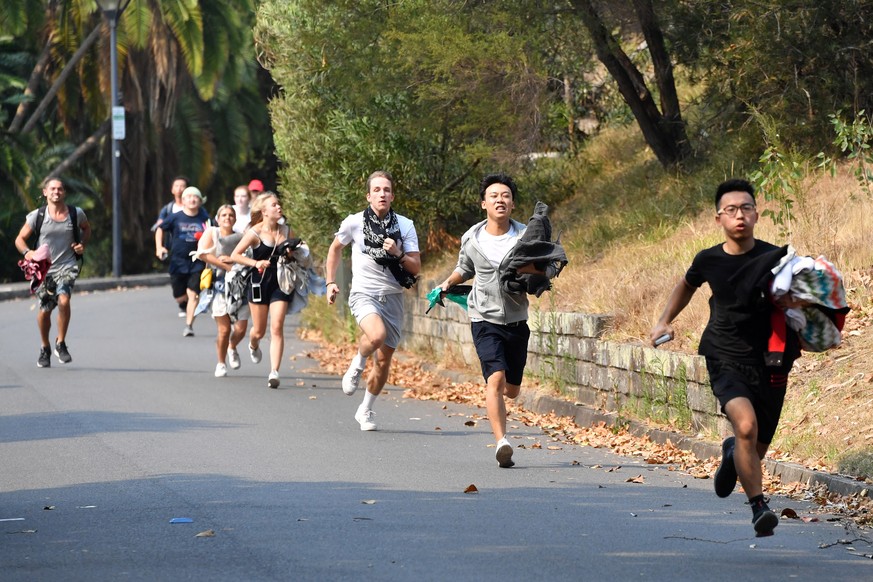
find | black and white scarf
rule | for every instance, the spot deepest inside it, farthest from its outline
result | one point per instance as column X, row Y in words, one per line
column 376, row 230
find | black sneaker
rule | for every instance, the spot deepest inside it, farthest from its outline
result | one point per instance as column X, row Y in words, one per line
column 62, row 353
column 45, row 357
column 763, row 520
column 726, row 475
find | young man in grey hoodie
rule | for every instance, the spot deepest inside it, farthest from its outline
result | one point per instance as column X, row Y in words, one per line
column 498, row 319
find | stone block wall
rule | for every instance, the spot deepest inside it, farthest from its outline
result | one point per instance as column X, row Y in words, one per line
column 567, row 351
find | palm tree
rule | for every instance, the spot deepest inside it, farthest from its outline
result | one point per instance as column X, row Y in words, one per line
column 188, row 80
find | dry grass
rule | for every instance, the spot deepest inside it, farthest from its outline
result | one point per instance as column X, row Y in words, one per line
column 829, row 410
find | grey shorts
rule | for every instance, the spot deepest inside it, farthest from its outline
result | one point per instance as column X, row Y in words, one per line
column 388, row 307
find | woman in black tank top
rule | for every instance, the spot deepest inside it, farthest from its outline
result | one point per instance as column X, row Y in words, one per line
column 265, row 297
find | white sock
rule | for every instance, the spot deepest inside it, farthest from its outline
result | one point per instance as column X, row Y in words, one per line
column 369, row 400
column 359, row 361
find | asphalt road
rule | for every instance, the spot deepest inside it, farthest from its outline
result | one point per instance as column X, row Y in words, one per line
column 98, row 456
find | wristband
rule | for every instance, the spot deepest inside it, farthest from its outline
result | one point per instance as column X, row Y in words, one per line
column 402, row 254
column 330, row 283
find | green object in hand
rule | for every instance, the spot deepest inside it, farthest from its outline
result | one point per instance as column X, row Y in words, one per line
column 455, row 293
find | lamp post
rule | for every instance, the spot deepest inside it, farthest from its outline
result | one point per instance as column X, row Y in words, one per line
column 112, row 10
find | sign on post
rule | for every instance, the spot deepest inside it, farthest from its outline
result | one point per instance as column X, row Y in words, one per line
column 118, row 123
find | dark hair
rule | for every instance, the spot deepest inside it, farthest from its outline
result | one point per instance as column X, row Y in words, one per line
column 183, row 178
column 48, row 179
column 492, row 179
column 733, row 185
column 379, row 174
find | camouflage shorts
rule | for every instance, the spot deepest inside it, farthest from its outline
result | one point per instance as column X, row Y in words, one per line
column 55, row 284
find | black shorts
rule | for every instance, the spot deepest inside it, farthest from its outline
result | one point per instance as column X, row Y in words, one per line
column 763, row 386
column 501, row 348
column 181, row 282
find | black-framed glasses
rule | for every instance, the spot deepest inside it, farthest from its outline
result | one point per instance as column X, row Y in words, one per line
column 732, row 210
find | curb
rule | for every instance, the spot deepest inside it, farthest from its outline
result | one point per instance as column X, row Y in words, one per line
column 542, row 402
column 12, row 291
column 545, row 402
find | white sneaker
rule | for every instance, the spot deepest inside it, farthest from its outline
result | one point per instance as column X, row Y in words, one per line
column 233, row 358
column 255, row 354
column 220, row 370
column 352, row 379
column 273, row 379
column 188, row 331
column 364, row 416
column 504, row 453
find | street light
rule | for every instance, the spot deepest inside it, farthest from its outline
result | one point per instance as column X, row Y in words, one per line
column 112, row 10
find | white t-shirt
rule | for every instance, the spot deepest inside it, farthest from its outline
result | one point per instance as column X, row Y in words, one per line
column 496, row 247
column 242, row 219
column 368, row 276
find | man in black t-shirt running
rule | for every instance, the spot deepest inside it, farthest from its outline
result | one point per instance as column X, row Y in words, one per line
column 734, row 343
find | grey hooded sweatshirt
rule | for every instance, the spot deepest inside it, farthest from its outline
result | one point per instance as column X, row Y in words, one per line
column 487, row 301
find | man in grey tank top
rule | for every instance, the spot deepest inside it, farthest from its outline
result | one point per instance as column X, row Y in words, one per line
column 65, row 248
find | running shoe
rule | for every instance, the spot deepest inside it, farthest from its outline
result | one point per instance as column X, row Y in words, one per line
column 763, row 520
column 233, row 358
column 62, row 353
column 220, row 370
column 726, row 475
column 504, row 454
column 364, row 416
column 255, row 354
column 45, row 357
column 273, row 379
column 352, row 379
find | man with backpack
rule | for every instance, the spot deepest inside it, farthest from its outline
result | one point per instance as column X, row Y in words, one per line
column 172, row 207
column 66, row 231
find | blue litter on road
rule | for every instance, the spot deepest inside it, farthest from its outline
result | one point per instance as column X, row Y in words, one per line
column 181, row 520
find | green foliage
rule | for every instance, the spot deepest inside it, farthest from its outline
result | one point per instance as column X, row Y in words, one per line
column 793, row 61
column 779, row 177
column 189, row 81
column 391, row 93
column 854, row 140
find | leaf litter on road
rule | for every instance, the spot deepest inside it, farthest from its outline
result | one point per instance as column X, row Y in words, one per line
column 420, row 384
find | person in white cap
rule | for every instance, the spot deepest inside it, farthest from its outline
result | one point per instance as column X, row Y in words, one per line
column 186, row 227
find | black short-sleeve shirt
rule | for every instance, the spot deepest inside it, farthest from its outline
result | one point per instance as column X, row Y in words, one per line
column 733, row 333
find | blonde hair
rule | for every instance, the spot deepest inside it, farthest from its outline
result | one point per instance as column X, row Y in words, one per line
column 258, row 206
column 224, row 207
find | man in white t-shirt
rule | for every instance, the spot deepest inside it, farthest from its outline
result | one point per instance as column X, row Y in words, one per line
column 498, row 319
column 385, row 260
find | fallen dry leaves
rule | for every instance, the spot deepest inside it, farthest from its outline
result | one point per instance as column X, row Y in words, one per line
column 408, row 372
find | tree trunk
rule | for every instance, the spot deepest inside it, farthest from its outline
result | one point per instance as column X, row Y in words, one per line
column 68, row 69
column 672, row 123
column 32, row 83
column 83, row 148
column 658, row 131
